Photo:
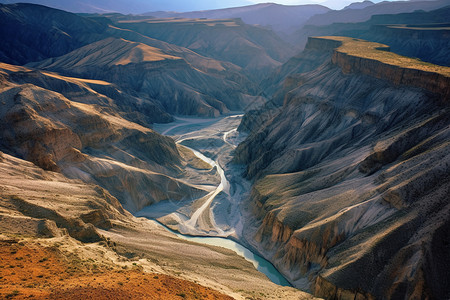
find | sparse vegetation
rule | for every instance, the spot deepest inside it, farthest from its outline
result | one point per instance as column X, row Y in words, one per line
column 12, row 294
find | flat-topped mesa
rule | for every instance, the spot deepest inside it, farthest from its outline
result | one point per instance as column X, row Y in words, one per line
column 376, row 60
column 322, row 44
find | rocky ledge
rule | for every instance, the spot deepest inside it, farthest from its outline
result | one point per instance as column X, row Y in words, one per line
column 376, row 60
column 350, row 192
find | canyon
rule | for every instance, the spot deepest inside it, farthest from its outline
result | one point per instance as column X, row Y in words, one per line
column 338, row 203
column 208, row 158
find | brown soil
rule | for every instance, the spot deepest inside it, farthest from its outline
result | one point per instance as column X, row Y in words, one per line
column 31, row 271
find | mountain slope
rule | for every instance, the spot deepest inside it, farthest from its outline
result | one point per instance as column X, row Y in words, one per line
column 194, row 81
column 385, row 7
column 169, row 80
column 89, row 141
column 252, row 48
column 58, row 234
column 34, row 32
column 351, row 177
column 281, row 18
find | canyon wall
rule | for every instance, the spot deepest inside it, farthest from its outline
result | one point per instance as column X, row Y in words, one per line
column 351, row 180
column 416, row 73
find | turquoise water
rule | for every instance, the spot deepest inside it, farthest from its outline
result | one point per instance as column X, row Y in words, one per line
column 185, row 125
column 260, row 263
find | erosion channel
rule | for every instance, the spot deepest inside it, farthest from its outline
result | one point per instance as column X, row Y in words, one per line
column 213, row 219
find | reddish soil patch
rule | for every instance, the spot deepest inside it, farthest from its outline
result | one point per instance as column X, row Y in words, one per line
column 29, row 271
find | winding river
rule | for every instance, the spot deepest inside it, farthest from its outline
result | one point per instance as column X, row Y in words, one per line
column 261, row 264
column 183, row 127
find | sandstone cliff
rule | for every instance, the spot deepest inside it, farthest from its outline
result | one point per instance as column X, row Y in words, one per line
column 422, row 34
column 357, row 56
column 351, row 180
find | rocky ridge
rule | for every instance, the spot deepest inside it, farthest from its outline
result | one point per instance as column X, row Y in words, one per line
column 170, row 82
column 90, row 141
column 421, row 34
column 350, row 173
column 252, row 48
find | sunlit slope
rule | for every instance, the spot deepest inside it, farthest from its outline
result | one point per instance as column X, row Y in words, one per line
column 178, row 86
column 252, row 48
column 91, row 142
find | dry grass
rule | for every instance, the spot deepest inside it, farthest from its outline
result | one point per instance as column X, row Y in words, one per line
column 380, row 52
column 28, row 270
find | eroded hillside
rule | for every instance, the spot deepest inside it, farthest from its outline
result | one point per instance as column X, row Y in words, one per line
column 62, row 238
column 351, row 175
column 346, row 168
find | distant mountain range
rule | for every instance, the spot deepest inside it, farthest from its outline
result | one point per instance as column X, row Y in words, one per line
column 133, row 6
column 364, row 14
column 281, row 18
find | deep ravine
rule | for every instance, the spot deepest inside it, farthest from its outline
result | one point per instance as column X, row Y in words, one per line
column 222, row 138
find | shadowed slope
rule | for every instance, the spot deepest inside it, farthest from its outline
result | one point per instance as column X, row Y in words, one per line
column 33, row 32
column 351, row 178
column 173, row 82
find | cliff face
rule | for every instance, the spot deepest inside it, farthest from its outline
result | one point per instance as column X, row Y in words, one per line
column 425, row 36
column 351, row 181
column 414, row 73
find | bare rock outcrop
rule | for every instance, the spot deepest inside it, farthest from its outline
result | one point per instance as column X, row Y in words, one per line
column 351, row 182
column 91, row 142
column 52, row 205
column 368, row 60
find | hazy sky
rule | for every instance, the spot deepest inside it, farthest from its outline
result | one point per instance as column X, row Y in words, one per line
column 140, row 6
column 334, row 4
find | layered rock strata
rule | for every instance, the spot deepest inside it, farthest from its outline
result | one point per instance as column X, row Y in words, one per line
column 351, row 181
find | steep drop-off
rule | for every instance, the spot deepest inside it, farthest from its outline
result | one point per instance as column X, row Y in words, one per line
column 421, row 34
column 351, row 187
